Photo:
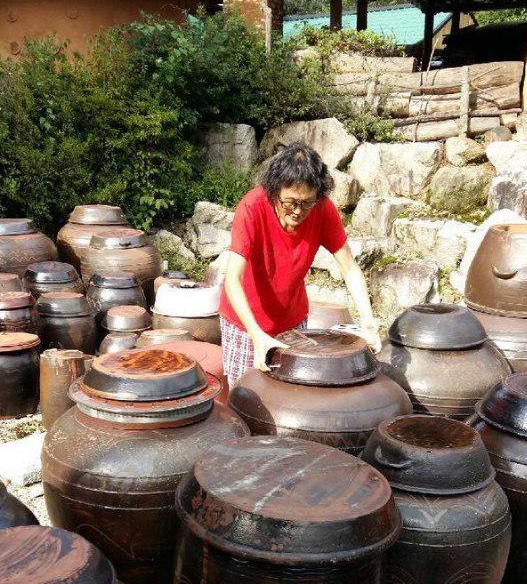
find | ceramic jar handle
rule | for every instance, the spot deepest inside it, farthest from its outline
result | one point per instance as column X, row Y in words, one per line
column 503, row 275
column 389, row 463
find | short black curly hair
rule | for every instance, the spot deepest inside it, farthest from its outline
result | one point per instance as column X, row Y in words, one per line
column 297, row 164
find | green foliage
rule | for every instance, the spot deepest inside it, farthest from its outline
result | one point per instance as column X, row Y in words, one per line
column 500, row 16
column 368, row 126
column 196, row 270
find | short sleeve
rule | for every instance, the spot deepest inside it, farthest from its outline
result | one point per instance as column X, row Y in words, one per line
column 332, row 236
column 242, row 232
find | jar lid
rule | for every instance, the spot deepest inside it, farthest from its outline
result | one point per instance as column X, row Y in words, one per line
column 17, row 226
column 114, row 342
column 63, row 304
column 437, row 327
column 114, row 279
column 12, row 300
column 119, row 238
column 323, row 357
column 12, row 342
column 144, row 375
column 158, row 336
column 98, row 215
column 51, row 272
column 127, row 318
column 320, row 504
column 430, row 455
column 36, row 554
column 10, row 282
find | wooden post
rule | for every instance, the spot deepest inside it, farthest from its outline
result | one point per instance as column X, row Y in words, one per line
column 456, row 19
column 335, row 15
column 464, row 104
column 428, row 37
column 362, row 14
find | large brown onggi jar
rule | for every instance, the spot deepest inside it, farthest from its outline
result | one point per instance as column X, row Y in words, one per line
column 13, row 512
column 111, row 465
column 45, row 277
column 267, row 509
column 456, row 519
column 324, row 315
column 18, row 312
column 21, row 244
column 326, row 387
column 10, row 283
column 85, row 221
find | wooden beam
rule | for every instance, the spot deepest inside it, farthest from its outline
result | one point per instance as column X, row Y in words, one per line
column 362, row 14
column 456, row 18
column 428, row 38
column 335, row 17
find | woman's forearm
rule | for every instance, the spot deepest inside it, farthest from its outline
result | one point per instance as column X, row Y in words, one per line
column 358, row 290
column 238, row 299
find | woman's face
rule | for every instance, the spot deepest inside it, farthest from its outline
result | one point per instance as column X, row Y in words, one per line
column 294, row 204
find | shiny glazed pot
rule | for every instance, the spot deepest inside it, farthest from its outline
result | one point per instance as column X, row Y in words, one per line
column 127, row 319
column 456, row 519
column 115, row 342
column 13, row 512
column 45, row 277
column 159, row 336
column 21, row 244
column 111, row 465
column 335, row 415
column 66, row 322
column 324, row 315
column 10, row 283
column 44, row 555
column 123, row 249
column 497, row 278
column 84, row 221
column 302, row 520
column 441, row 380
column 18, row 312
column 206, row 328
column 18, row 374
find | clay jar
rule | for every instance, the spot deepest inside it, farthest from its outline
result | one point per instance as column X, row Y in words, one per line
column 324, row 315
column 18, row 374
column 126, row 319
column 173, row 277
column 115, row 342
column 261, row 510
column 21, row 244
column 86, row 220
column 456, row 519
column 45, row 277
column 18, row 312
column 13, row 512
column 326, row 387
column 123, row 249
column 440, row 355
column 111, row 465
column 10, row 283
column 159, row 336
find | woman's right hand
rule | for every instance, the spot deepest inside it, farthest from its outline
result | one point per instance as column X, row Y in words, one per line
column 263, row 343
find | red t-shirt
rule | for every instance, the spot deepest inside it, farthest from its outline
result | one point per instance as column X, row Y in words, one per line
column 277, row 260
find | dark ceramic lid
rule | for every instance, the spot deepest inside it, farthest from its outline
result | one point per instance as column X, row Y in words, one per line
column 45, row 555
column 437, row 327
column 144, row 375
column 119, row 238
column 98, row 215
column 287, row 501
column 429, row 454
column 16, row 226
column 114, row 342
column 13, row 342
column 323, row 357
column 13, row 300
column 504, row 406
column 175, row 275
column 114, row 279
column 130, row 318
column 63, row 304
column 51, row 272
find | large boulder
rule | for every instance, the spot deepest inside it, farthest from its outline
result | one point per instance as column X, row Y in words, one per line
column 208, row 230
column 328, row 137
column 166, row 241
column 334, row 294
column 497, row 134
column 460, row 151
column 346, row 192
column 397, row 169
column 507, row 157
column 234, row 144
column 508, row 191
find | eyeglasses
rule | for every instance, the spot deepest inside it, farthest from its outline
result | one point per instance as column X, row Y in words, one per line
column 302, row 205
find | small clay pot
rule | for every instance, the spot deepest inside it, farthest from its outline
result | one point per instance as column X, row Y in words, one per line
column 45, row 277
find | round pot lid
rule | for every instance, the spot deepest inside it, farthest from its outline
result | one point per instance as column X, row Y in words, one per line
column 119, row 238
column 129, row 318
column 13, row 342
column 17, row 226
column 47, row 555
column 323, row 357
column 504, row 406
column 13, row 300
column 98, row 215
column 300, row 496
column 114, row 342
column 437, row 327
column 429, row 454
column 63, row 304
column 144, row 375
column 166, row 335
column 10, row 282
column 51, row 272
column 115, row 279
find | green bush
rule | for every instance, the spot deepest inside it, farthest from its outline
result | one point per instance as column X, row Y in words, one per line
column 499, row 16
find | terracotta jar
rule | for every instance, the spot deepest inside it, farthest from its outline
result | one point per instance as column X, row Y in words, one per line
column 324, row 315
column 127, row 319
column 501, row 421
column 66, row 322
column 18, row 374
column 18, row 312
column 123, row 249
column 261, row 510
column 44, row 555
column 440, row 355
column 142, row 418
column 13, row 512
column 45, row 277
column 456, row 519
column 170, row 277
column 326, row 387
column 10, row 283
column 84, row 221
column 115, row 342
column 159, row 336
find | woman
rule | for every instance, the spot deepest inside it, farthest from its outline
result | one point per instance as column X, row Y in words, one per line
column 277, row 230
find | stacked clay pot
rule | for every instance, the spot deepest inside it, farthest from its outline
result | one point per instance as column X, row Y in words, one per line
column 21, row 244
column 327, row 387
column 84, row 221
column 13, row 512
column 456, row 519
column 496, row 290
column 115, row 342
column 45, row 277
column 440, row 355
column 10, row 283
column 18, row 312
column 325, row 315
column 263, row 510
column 111, row 465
